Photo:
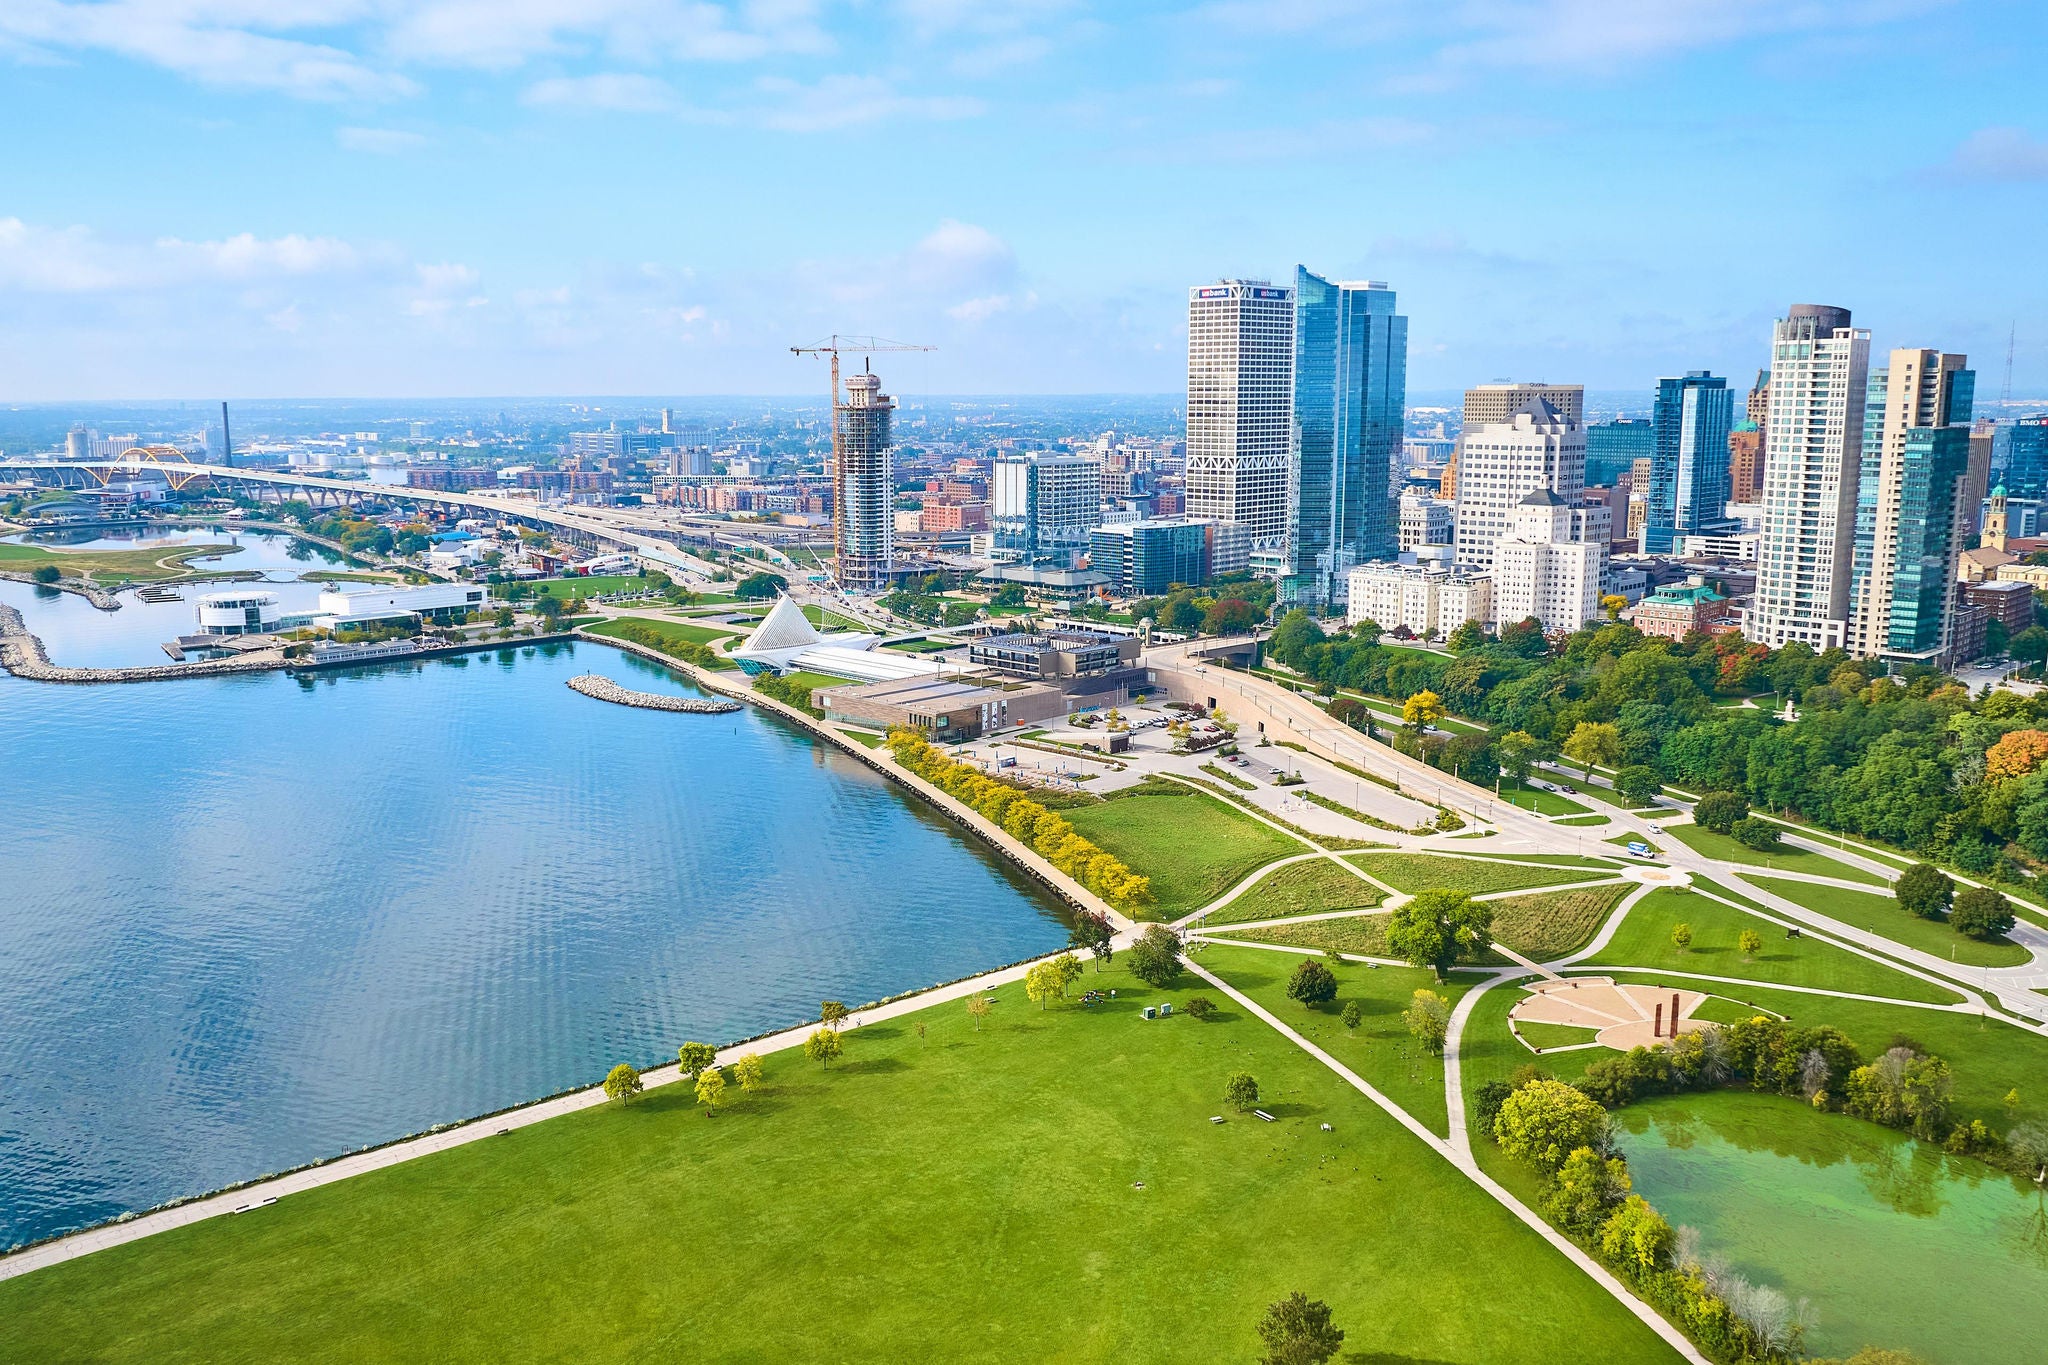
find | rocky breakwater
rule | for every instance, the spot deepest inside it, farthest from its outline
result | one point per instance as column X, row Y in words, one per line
column 604, row 689
column 21, row 654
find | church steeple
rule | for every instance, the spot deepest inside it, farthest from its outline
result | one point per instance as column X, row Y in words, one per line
column 1994, row 520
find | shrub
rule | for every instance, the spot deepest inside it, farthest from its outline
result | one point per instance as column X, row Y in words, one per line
column 46, row 573
column 1486, row 1103
column 1199, row 1007
column 1546, row 1121
column 1612, row 1082
column 1761, row 835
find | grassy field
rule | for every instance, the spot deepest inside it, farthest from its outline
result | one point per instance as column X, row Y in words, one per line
column 1549, row 926
column 1556, row 1035
column 108, row 567
column 1584, row 820
column 1712, row 845
column 1365, row 934
column 1881, row 915
column 1644, row 940
column 674, row 632
column 1418, row 871
column 1304, row 888
column 1380, row 1049
column 1535, row 798
column 1048, row 1187
column 591, row 585
column 1193, row 846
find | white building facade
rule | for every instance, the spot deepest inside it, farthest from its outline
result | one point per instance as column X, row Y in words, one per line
column 1042, row 507
column 1425, row 521
column 1540, row 570
column 1504, row 462
column 1429, row 602
column 1241, row 406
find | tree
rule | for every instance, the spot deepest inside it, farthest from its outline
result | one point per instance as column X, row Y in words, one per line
column 1199, row 1007
column 1428, row 1017
column 761, row 585
column 1924, row 890
column 1750, row 942
column 1353, row 1014
column 1593, row 744
column 2018, row 754
column 1681, row 936
column 46, row 574
column 1518, row 751
column 2030, row 645
column 1545, row 1121
column 1638, row 783
column 1589, row 1185
column 747, row 1071
column 1231, row 616
column 1422, row 710
column 1298, row 1331
column 711, row 1090
column 694, row 1057
column 1981, row 912
column 1048, row 980
column 823, row 1047
column 1758, row 834
column 1312, row 984
column 1720, row 811
column 1155, row 958
column 1468, row 636
column 1613, row 604
column 1241, row 1092
column 1435, row 928
column 622, row 1082
column 1092, row 932
column 1636, row 1236
column 832, row 1012
column 978, row 1008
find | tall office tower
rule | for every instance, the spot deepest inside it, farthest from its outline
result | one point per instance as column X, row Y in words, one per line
column 1504, row 462
column 1759, row 408
column 1872, row 454
column 668, row 419
column 864, row 487
column 1492, row 404
column 1812, row 444
column 1350, row 387
column 1612, row 448
column 1923, row 504
column 1745, row 463
column 1042, row 507
column 1542, row 570
column 1241, row 406
column 1689, row 469
column 2020, row 452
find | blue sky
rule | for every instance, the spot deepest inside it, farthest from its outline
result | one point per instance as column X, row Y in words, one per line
column 259, row 198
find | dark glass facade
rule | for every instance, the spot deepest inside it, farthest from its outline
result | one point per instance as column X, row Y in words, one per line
column 1689, row 462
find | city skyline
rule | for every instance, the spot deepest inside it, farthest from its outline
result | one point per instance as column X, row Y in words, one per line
column 350, row 199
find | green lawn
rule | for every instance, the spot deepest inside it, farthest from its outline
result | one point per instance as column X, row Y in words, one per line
column 1712, row 845
column 1048, row 1187
column 1584, row 820
column 591, row 585
column 865, row 738
column 1535, row 798
column 1644, row 940
column 1552, row 925
column 1556, row 1035
column 1881, row 915
column 106, row 567
column 1380, row 1049
column 1419, row 871
column 1304, row 888
column 671, row 632
column 808, row 679
column 1193, row 846
column 1364, row 934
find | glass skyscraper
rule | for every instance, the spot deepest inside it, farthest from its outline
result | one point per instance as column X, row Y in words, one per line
column 1688, row 491
column 1350, row 388
column 1612, row 449
column 1936, row 460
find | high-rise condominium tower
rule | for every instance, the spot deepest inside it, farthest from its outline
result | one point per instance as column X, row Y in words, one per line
column 1504, row 462
column 1923, row 494
column 1350, row 387
column 1812, row 449
column 1496, row 403
column 1240, row 405
column 1689, row 463
column 864, row 487
column 1044, row 506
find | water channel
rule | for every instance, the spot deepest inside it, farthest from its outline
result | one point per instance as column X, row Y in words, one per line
column 1894, row 1242
column 253, row 921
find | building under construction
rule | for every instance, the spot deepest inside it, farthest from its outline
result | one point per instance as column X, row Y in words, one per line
column 864, row 487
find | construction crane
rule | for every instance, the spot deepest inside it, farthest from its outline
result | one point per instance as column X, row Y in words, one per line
column 832, row 346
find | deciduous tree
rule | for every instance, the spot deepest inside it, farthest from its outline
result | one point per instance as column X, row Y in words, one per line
column 1720, row 811
column 832, row 1012
column 1638, row 783
column 1750, row 942
column 1981, row 912
column 622, row 1082
column 1241, row 1091
column 1545, row 1121
column 1593, row 744
column 1423, row 709
column 1681, row 936
column 1428, row 1017
column 1754, row 833
column 1199, row 1007
column 711, row 1089
column 1636, row 1236
column 1353, row 1014
column 1312, row 984
column 1434, row 928
column 747, row 1071
column 1298, row 1331
column 823, row 1047
column 978, row 1008
column 694, row 1057
column 1589, row 1185
column 1155, row 958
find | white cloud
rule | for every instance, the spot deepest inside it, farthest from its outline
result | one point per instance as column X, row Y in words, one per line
column 2001, row 154
column 614, row 91
column 378, row 141
column 74, row 260
column 503, row 34
column 52, row 260
column 849, row 101
column 247, row 256
column 981, row 309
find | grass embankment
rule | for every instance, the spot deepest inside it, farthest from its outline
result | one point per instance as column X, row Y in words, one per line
column 670, row 630
column 961, row 1196
column 1305, row 888
column 1543, row 928
column 1785, row 856
column 1644, row 940
column 1193, row 846
column 1880, row 914
column 1362, row 934
column 105, row 568
column 1419, row 871
column 1380, row 1049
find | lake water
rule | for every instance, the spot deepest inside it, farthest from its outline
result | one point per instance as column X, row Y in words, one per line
column 80, row 635
column 249, row 922
column 1895, row 1243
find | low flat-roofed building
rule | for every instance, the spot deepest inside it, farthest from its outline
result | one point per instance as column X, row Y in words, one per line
column 1054, row 654
column 942, row 708
column 435, row 601
column 1677, row 610
column 2008, row 601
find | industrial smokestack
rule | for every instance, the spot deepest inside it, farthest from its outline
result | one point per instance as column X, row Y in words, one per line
column 227, row 440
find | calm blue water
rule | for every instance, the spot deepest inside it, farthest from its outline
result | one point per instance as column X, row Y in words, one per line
column 250, row 922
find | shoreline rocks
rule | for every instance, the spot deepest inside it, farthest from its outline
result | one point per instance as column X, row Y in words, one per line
column 604, row 689
column 22, row 654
